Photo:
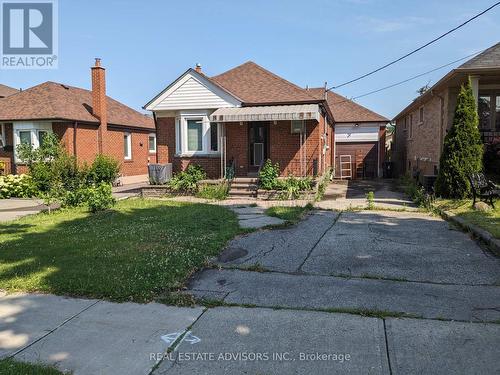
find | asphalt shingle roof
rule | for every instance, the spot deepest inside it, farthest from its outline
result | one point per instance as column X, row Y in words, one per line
column 7, row 91
column 255, row 85
column 345, row 110
column 51, row 100
column 489, row 58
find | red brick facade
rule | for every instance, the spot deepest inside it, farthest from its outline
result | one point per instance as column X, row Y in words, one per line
column 82, row 140
column 283, row 148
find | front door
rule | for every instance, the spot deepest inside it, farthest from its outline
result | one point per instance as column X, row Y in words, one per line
column 258, row 137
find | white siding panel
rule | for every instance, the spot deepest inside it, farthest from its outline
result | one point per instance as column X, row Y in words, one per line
column 192, row 94
column 352, row 133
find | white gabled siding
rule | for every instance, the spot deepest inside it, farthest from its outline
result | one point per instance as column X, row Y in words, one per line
column 193, row 92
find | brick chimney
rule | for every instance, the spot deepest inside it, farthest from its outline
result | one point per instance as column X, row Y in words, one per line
column 198, row 68
column 99, row 103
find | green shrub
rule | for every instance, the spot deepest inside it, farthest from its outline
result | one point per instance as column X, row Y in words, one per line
column 187, row 181
column 100, row 197
column 291, row 187
column 323, row 183
column 268, row 175
column 75, row 198
column 16, row 186
column 463, row 149
column 213, row 191
column 104, row 169
column 370, row 198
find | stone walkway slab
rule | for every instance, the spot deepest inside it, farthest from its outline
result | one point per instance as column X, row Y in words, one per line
column 263, row 335
column 89, row 337
column 434, row 347
column 272, row 289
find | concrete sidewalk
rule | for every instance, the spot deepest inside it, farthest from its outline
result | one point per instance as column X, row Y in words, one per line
column 14, row 208
column 89, row 337
column 86, row 336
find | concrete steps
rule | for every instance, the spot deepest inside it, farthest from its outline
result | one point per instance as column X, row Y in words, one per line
column 244, row 187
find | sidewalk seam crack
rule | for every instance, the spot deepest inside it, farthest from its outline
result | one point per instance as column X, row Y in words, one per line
column 387, row 347
column 53, row 330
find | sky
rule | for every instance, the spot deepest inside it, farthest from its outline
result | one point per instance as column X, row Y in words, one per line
column 145, row 45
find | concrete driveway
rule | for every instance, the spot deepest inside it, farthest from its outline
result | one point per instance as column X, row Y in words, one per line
column 421, row 298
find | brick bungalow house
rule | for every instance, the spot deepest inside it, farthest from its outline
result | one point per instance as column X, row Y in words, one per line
column 423, row 124
column 247, row 115
column 87, row 122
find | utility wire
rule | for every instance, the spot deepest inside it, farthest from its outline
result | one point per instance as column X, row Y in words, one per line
column 408, row 79
column 416, row 50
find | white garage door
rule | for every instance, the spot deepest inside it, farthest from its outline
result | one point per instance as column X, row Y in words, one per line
column 353, row 133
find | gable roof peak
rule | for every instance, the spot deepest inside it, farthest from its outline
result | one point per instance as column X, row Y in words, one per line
column 489, row 58
column 257, row 85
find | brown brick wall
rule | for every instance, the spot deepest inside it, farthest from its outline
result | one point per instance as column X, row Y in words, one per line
column 285, row 146
column 422, row 151
column 237, row 146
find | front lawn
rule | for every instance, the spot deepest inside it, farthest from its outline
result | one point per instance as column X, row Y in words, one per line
column 291, row 214
column 138, row 251
column 489, row 220
column 11, row 367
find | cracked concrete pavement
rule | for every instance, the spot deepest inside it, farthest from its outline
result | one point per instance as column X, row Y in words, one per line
column 348, row 293
column 434, row 291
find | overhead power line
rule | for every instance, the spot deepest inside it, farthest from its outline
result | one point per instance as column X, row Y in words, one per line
column 408, row 79
column 417, row 49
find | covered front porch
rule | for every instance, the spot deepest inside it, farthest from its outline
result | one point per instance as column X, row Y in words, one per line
column 288, row 135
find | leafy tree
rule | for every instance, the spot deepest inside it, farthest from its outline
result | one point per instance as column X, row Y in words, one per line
column 463, row 149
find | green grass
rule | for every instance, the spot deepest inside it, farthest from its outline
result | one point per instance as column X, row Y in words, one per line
column 290, row 214
column 489, row 220
column 139, row 251
column 11, row 367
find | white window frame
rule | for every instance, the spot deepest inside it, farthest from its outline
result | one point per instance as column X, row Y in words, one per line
column 3, row 138
column 181, row 141
column 34, row 128
column 301, row 130
column 421, row 115
column 410, row 126
column 129, row 146
column 153, row 135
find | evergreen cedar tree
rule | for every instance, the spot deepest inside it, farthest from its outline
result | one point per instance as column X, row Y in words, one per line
column 463, row 149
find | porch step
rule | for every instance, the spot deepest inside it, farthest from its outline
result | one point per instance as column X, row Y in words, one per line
column 244, row 187
column 246, row 180
column 242, row 193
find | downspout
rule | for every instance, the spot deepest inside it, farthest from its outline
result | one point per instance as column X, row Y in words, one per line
column 75, row 128
column 156, row 135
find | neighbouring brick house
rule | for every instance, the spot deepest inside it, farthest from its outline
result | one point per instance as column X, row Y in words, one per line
column 247, row 115
column 423, row 124
column 87, row 122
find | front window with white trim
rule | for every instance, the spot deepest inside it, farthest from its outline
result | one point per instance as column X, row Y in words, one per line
column 127, row 146
column 31, row 133
column 196, row 135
